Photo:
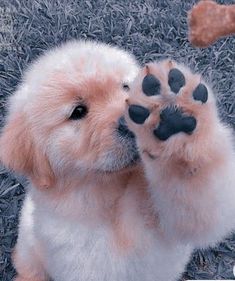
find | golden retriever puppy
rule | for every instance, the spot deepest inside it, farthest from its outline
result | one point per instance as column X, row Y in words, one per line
column 89, row 213
column 187, row 152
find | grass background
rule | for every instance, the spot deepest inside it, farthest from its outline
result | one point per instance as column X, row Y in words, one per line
column 151, row 30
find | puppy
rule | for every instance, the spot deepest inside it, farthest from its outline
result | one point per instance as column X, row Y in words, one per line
column 89, row 212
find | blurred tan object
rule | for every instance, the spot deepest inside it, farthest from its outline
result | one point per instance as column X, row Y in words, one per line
column 208, row 21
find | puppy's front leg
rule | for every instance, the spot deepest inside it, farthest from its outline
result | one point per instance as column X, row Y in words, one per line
column 188, row 154
column 27, row 256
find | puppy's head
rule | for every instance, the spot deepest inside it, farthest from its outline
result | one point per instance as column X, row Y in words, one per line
column 66, row 116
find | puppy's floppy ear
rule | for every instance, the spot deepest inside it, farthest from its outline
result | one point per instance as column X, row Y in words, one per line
column 19, row 152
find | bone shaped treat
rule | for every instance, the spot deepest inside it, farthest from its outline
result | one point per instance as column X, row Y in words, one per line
column 208, row 21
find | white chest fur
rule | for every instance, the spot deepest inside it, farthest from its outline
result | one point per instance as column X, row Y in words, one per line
column 75, row 250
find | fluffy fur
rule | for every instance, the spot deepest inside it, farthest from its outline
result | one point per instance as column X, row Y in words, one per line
column 191, row 177
column 89, row 213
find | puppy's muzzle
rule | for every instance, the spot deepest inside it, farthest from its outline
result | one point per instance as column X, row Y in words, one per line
column 123, row 130
column 173, row 121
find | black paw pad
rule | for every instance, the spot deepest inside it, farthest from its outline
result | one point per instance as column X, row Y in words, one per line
column 201, row 93
column 176, row 80
column 189, row 124
column 173, row 122
column 151, row 85
column 138, row 114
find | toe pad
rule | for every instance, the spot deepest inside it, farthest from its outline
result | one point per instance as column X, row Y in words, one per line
column 138, row 113
column 176, row 80
column 200, row 93
column 151, row 85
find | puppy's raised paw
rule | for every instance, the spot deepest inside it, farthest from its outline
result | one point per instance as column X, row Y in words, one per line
column 171, row 111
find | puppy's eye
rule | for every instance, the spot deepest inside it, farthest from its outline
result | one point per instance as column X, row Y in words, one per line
column 79, row 112
column 125, row 86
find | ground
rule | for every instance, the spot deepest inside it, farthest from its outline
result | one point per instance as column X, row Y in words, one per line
column 151, row 29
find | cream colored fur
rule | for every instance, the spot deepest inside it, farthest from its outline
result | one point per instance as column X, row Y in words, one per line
column 89, row 213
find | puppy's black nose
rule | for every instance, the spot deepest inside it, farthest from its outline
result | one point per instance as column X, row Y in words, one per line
column 123, row 129
column 172, row 122
column 138, row 113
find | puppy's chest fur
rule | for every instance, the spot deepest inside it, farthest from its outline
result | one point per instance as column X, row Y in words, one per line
column 79, row 249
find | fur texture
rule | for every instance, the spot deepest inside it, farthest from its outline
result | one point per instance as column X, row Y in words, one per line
column 149, row 29
column 191, row 177
column 90, row 213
